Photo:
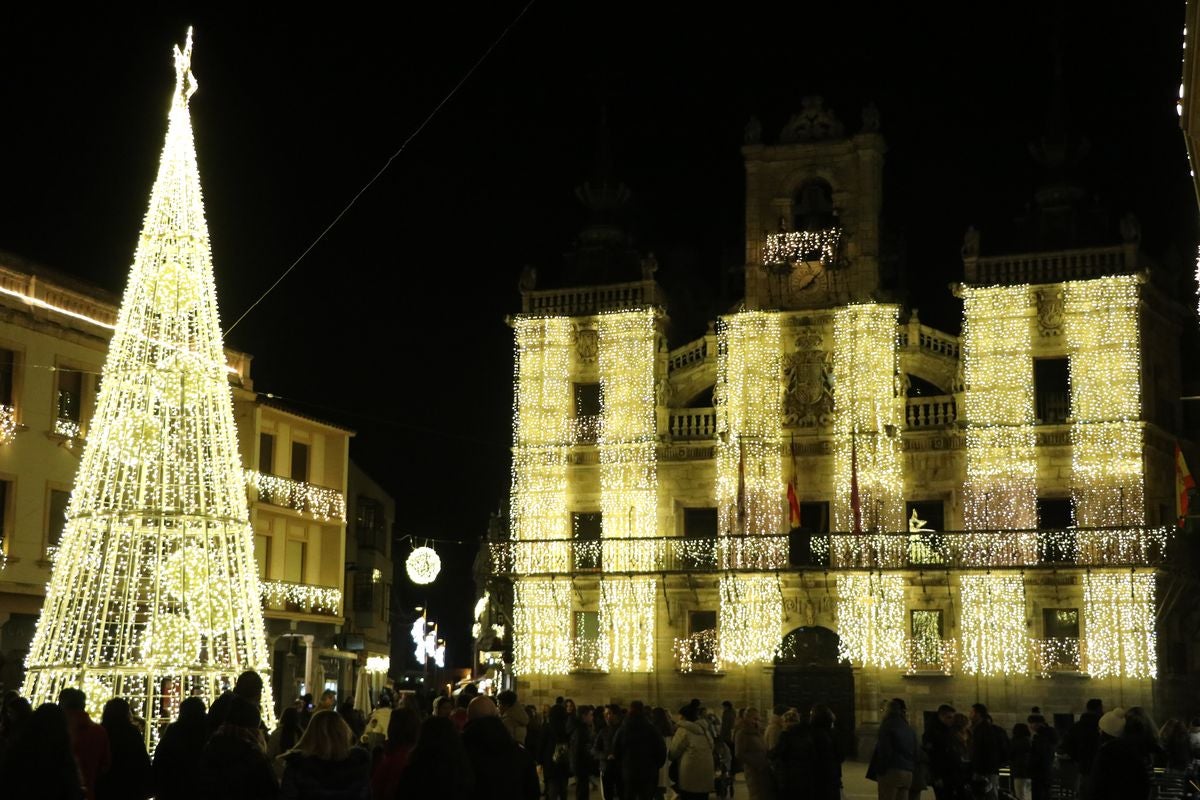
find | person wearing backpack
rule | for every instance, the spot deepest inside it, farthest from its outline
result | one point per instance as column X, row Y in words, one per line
column 989, row 751
column 602, row 752
column 640, row 751
column 555, row 755
column 895, row 756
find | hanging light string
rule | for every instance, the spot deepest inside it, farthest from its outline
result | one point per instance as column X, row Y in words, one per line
column 386, row 164
column 426, row 541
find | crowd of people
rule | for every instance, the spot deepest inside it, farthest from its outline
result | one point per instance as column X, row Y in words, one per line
column 1102, row 756
column 474, row 746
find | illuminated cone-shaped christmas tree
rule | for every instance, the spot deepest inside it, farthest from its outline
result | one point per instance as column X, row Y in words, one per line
column 154, row 592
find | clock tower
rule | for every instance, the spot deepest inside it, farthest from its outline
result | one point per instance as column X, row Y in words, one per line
column 812, row 211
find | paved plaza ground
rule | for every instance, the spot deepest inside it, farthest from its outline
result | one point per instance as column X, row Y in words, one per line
column 857, row 787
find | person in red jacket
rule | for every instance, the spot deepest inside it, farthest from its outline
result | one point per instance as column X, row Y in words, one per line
column 89, row 741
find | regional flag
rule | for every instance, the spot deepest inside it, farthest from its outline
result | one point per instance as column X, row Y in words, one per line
column 1184, row 483
column 793, row 505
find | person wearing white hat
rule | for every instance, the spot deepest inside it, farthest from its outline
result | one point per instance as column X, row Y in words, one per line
column 1119, row 773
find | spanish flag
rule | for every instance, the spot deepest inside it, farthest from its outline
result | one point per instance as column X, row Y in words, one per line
column 793, row 505
column 1184, row 483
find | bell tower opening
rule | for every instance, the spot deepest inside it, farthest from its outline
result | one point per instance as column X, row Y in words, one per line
column 812, row 207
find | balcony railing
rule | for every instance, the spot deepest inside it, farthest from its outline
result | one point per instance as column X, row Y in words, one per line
column 587, row 655
column 691, row 353
column 1056, row 655
column 319, row 501
column 301, row 598
column 930, row 412
column 585, row 300
column 8, row 424
column 938, row 550
column 586, row 429
column 1062, row 265
column 927, row 655
column 699, row 650
column 66, row 428
column 692, row 423
column 787, row 247
column 931, row 340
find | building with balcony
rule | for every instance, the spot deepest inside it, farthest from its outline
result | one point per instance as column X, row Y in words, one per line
column 54, row 334
column 369, row 578
column 298, row 514
column 823, row 499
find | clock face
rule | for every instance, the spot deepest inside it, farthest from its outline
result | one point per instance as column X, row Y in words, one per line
column 804, row 273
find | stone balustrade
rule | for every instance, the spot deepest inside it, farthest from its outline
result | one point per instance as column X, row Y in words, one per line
column 922, row 337
column 935, row 411
column 588, row 300
column 691, row 353
column 1062, row 265
column 692, row 423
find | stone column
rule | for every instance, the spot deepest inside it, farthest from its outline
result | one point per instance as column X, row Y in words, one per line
column 310, row 665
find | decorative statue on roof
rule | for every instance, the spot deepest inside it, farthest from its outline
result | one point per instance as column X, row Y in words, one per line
column 813, row 123
column 752, row 134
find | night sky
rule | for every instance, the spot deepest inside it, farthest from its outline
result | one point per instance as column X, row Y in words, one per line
column 394, row 324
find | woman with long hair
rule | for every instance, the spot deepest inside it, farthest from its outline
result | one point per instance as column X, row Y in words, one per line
column 438, row 765
column 177, row 757
column 234, row 763
column 661, row 721
column 284, row 738
column 325, row 763
column 748, row 743
column 129, row 776
column 39, row 762
column 404, row 724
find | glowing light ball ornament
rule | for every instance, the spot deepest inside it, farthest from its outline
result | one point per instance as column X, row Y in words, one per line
column 423, row 565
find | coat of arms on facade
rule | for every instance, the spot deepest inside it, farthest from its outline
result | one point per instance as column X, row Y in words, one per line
column 1050, row 311
column 808, row 370
column 586, row 343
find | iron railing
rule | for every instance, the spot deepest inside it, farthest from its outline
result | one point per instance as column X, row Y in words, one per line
column 924, row 550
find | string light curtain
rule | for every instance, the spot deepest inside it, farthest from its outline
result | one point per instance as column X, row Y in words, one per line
column 870, row 613
column 541, row 627
column 627, row 608
column 867, row 420
column 995, row 639
column 1000, row 492
column 1101, row 327
column 628, row 444
column 154, row 592
column 1118, row 619
column 540, row 519
column 749, row 453
column 751, row 618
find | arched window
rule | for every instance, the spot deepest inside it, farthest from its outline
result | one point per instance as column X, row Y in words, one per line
column 812, row 206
